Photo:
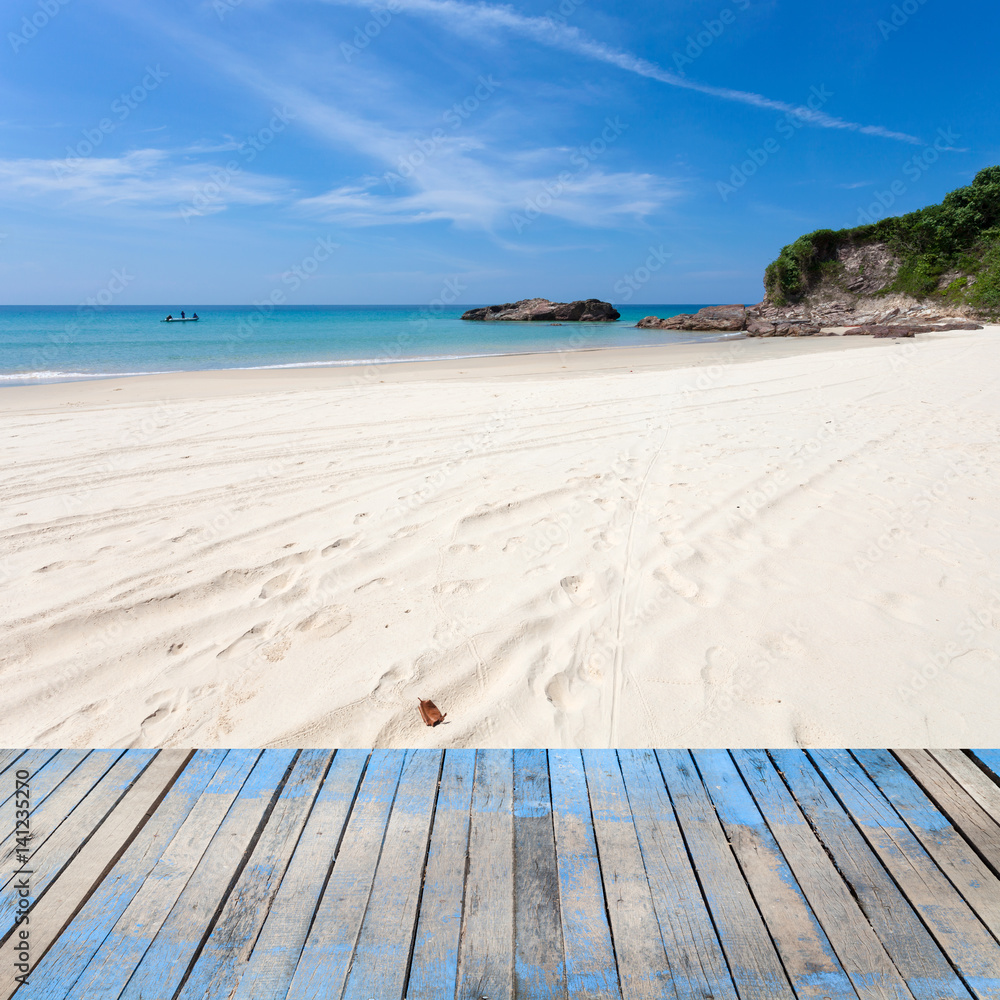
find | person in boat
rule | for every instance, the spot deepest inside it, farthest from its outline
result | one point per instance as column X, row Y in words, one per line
column 170, row 317
column 182, row 314
column 194, row 315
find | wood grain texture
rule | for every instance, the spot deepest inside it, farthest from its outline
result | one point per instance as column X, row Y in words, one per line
column 591, row 971
column 102, row 849
column 383, row 947
column 971, row 777
column 697, row 964
column 990, row 759
column 753, row 962
column 486, row 951
column 326, row 957
column 277, row 950
column 166, row 961
column 84, row 937
column 643, row 967
column 539, row 965
column 809, row 959
column 958, row 931
column 920, row 961
column 434, row 964
column 978, row 885
column 855, row 942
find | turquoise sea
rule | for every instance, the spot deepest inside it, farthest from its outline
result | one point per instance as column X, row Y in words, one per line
column 65, row 343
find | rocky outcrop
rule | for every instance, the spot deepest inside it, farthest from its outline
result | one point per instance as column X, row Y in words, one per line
column 542, row 310
column 721, row 318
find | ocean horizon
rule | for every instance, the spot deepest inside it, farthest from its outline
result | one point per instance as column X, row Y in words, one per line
column 69, row 343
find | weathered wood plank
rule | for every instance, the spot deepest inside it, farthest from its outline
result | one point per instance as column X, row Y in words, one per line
column 434, row 965
column 977, row 883
column 326, row 956
column 46, row 813
column 975, row 824
column 753, row 962
column 591, row 972
column 225, row 953
column 809, row 960
column 957, row 929
column 539, row 965
column 53, row 847
column 101, row 851
column 272, row 963
column 8, row 758
column 856, row 944
column 914, row 951
column 991, row 760
column 643, row 969
column 486, row 952
column 166, row 961
column 31, row 761
column 124, row 948
column 382, row 951
column 697, row 963
column 92, row 934
column 971, row 777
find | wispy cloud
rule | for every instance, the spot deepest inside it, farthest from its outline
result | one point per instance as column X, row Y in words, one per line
column 484, row 18
column 143, row 178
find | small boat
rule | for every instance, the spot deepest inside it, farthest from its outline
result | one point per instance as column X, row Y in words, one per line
column 177, row 319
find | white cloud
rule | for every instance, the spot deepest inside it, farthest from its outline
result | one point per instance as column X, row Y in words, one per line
column 484, row 18
column 142, row 178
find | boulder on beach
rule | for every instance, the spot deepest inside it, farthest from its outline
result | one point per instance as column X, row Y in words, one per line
column 542, row 310
column 726, row 318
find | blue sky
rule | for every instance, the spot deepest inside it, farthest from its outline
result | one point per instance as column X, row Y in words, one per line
column 203, row 149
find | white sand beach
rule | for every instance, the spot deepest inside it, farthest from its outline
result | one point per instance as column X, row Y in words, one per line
column 752, row 543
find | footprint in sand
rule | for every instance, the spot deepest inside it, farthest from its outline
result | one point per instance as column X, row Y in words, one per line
column 65, row 564
column 461, row 587
column 379, row 581
column 461, row 549
column 276, row 585
column 245, row 643
column 579, row 589
column 340, row 543
column 678, row 583
column 327, row 621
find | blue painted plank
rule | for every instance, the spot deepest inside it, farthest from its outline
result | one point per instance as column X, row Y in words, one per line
column 277, row 949
column 70, row 954
column 539, row 965
column 434, row 966
column 967, row 872
column 130, row 939
column 697, row 963
column 926, row 971
column 486, row 952
column 8, row 758
column 169, row 956
column 753, row 962
column 326, row 957
column 855, row 942
column 383, row 947
column 991, row 758
column 225, row 954
column 51, row 853
column 644, row 972
column 956, row 928
column 809, row 959
column 591, row 973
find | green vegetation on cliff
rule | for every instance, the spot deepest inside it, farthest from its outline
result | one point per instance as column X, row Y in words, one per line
column 960, row 239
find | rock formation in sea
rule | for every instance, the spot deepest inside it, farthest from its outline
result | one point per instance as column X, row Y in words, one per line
column 542, row 310
column 934, row 269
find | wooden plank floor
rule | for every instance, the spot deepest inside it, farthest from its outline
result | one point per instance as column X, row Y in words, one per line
column 491, row 875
